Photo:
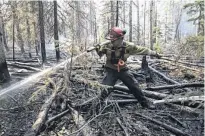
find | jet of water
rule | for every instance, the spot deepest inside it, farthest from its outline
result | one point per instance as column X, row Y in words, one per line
column 32, row 78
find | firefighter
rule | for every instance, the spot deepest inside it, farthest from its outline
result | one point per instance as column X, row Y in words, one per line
column 117, row 51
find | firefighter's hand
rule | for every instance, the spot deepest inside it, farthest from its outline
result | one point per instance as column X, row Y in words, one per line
column 158, row 55
column 97, row 46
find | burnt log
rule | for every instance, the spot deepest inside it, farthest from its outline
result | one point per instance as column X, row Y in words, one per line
column 32, row 64
column 82, row 125
column 150, row 94
column 173, row 130
column 182, row 62
column 24, row 67
column 181, row 99
column 175, row 86
column 169, row 80
column 39, row 124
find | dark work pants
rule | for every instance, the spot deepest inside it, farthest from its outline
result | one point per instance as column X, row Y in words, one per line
column 127, row 78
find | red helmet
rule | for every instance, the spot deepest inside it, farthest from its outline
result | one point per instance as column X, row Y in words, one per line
column 116, row 33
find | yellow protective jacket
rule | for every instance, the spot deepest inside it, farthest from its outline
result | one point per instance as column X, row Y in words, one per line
column 130, row 49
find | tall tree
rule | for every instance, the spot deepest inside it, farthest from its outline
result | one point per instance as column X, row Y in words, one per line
column 130, row 22
column 18, row 30
column 123, row 13
column 13, row 32
column 112, row 14
column 144, row 20
column 78, row 22
column 165, row 29
column 3, row 30
column 117, row 13
column 56, row 31
column 36, row 43
column 91, row 17
column 178, row 18
column 4, row 73
column 151, row 31
column 28, row 29
column 154, row 20
column 42, row 33
column 138, row 22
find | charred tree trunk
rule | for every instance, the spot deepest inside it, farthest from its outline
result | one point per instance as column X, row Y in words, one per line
column 123, row 14
column 42, row 34
column 151, row 39
column 178, row 20
column 96, row 40
column 155, row 32
column 18, row 32
column 4, row 73
column 13, row 32
column 112, row 14
column 165, row 29
column 108, row 23
column 138, row 23
column 37, row 45
column 28, row 32
column 4, row 35
column 130, row 22
column 56, row 32
column 3, row 31
column 117, row 8
column 91, row 19
column 144, row 20
column 78, row 28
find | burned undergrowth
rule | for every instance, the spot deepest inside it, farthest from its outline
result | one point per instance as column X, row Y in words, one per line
column 56, row 105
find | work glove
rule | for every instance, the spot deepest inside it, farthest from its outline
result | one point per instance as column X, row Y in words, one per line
column 97, row 47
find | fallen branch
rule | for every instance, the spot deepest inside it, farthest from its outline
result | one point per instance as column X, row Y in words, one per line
column 175, row 86
column 81, row 123
column 23, row 61
column 122, row 126
column 150, row 94
column 122, row 101
column 166, row 78
column 183, row 99
column 184, row 108
column 25, row 67
column 123, row 95
column 57, row 116
column 32, row 64
column 163, row 76
column 167, row 127
column 182, row 62
column 84, row 124
column 176, row 120
column 44, row 110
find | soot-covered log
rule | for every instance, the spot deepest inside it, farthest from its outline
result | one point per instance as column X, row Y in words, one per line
column 175, row 86
column 150, row 94
column 173, row 130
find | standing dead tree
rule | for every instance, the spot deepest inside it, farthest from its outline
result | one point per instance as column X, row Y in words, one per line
column 17, row 25
column 56, row 31
column 42, row 34
column 130, row 21
column 4, row 73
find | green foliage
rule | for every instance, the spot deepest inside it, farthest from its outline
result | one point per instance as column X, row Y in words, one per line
column 196, row 13
column 157, row 47
column 193, row 46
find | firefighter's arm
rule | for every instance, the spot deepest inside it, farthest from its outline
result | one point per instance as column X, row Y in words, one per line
column 139, row 50
column 101, row 48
